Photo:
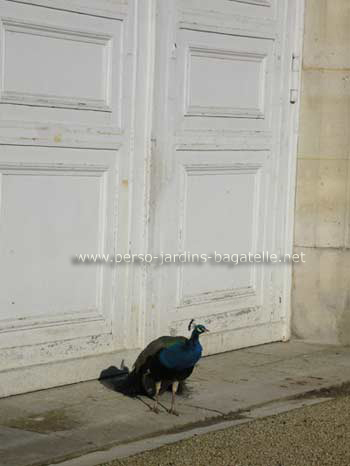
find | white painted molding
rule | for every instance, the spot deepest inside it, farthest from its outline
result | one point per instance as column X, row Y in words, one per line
column 216, row 296
column 266, row 3
column 67, row 169
column 48, row 100
column 114, row 9
column 62, row 372
column 40, row 322
column 219, row 23
column 219, row 168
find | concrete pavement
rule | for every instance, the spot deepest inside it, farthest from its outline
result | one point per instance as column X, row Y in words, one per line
column 55, row 425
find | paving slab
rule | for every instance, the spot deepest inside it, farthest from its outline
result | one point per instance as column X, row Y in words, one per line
column 11, row 437
column 55, row 425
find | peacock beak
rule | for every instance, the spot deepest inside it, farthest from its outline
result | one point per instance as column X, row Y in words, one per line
column 206, row 329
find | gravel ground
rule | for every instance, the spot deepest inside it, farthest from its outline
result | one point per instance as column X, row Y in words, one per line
column 317, row 435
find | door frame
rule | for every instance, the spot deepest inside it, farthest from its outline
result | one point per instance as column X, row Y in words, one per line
column 291, row 112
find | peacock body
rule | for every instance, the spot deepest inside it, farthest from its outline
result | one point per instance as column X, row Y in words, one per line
column 166, row 361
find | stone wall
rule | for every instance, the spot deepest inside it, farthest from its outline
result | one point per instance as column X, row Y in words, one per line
column 321, row 286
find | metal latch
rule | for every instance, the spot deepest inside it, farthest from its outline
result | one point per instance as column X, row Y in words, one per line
column 294, row 87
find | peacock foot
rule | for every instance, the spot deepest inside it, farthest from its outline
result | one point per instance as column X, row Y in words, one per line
column 173, row 411
column 155, row 409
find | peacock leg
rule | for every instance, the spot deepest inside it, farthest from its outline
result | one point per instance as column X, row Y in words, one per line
column 174, row 388
column 155, row 407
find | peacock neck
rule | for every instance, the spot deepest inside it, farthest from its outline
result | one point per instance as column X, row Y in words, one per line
column 194, row 338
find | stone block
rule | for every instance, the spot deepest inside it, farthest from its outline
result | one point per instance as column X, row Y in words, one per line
column 321, row 203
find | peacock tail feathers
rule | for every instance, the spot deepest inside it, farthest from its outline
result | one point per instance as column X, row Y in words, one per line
column 153, row 348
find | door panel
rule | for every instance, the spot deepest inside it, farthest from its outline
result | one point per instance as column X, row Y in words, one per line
column 213, row 214
column 236, row 91
column 62, row 71
column 55, row 204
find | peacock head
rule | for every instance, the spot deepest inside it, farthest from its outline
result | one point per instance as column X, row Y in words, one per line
column 197, row 329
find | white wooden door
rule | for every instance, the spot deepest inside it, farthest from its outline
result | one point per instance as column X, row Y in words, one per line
column 140, row 126
column 222, row 169
column 66, row 84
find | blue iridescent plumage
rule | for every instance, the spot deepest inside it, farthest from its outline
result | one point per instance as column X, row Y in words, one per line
column 181, row 355
column 167, row 361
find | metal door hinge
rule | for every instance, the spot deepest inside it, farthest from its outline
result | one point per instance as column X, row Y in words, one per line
column 294, row 87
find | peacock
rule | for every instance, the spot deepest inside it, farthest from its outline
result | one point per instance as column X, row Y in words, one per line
column 167, row 361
